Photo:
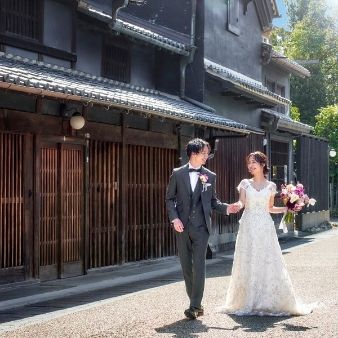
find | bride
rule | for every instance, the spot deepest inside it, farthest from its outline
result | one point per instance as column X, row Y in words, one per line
column 260, row 284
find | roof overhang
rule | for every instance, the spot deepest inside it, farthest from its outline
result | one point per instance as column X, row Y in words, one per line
column 266, row 11
column 289, row 65
column 46, row 80
column 243, row 85
column 274, row 120
column 125, row 24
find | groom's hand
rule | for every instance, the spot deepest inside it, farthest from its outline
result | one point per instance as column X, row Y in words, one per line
column 178, row 225
column 233, row 208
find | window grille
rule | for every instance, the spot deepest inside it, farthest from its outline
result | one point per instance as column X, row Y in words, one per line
column 116, row 63
column 21, row 17
column 271, row 85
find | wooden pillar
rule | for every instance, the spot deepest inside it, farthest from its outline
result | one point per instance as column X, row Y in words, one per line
column 28, row 245
column 86, row 233
column 124, row 192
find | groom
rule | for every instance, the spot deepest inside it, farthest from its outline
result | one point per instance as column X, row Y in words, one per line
column 190, row 198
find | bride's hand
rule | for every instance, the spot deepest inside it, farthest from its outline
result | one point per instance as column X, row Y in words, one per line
column 234, row 208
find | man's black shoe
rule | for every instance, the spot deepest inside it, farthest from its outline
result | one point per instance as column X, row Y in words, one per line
column 200, row 311
column 191, row 313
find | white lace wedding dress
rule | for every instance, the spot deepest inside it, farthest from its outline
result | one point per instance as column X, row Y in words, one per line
column 260, row 283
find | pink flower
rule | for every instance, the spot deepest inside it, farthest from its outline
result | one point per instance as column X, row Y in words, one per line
column 294, row 197
column 204, row 178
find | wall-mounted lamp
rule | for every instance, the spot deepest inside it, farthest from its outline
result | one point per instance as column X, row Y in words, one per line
column 215, row 142
column 138, row 2
column 77, row 121
column 332, row 153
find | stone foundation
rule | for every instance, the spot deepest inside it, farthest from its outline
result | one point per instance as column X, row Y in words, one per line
column 312, row 219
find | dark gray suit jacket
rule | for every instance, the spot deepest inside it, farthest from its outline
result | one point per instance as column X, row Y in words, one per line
column 179, row 195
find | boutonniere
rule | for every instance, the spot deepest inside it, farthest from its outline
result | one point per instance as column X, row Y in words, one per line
column 204, row 180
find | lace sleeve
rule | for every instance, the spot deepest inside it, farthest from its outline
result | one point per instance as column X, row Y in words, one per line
column 243, row 184
column 273, row 188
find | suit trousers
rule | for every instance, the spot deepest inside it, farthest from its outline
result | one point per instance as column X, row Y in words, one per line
column 192, row 246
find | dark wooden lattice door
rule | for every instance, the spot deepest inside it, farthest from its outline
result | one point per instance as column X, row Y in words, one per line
column 148, row 231
column 60, row 210
column 12, row 220
column 104, row 204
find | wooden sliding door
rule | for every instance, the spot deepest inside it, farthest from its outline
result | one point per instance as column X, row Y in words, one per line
column 15, row 203
column 60, row 209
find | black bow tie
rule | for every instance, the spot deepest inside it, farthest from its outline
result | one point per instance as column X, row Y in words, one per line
column 194, row 170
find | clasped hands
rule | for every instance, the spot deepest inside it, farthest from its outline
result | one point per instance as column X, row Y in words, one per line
column 234, row 207
column 231, row 209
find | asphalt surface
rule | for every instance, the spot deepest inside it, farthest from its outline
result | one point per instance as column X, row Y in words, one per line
column 148, row 300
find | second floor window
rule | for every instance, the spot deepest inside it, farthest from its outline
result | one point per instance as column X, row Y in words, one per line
column 233, row 16
column 279, row 90
column 116, row 62
column 271, row 85
column 21, row 17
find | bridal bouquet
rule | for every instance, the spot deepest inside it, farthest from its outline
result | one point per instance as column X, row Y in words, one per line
column 294, row 198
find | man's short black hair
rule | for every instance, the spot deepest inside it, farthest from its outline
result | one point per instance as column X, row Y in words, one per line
column 196, row 145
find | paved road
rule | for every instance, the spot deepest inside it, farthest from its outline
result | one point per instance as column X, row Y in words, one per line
column 154, row 307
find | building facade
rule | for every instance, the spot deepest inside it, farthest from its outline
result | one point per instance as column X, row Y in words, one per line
column 144, row 80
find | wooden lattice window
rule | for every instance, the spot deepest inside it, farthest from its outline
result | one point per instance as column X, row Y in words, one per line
column 271, row 85
column 116, row 62
column 12, row 220
column 21, row 17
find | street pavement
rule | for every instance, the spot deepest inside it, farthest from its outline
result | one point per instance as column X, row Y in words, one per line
column 148, row 299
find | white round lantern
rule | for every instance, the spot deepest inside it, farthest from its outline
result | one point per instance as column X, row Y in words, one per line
column 77, row 121
column 333, row 153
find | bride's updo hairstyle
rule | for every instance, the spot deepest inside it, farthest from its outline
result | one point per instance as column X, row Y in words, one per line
column 261, row 159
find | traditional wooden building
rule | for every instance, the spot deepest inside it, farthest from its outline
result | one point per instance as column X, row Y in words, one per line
column 249, row 82
column 143, row 80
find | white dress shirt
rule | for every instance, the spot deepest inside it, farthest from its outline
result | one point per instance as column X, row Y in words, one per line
column 194, row 175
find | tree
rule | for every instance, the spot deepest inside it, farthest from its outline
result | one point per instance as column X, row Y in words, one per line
column 278, row 37
column 295, row 113
column 313, row 38
column 296, row 10
column 327, row 126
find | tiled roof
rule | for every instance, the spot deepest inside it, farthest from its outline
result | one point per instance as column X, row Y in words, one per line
column 148, row 35
column 45, row 79
column 244, row 82
column 289, row 64
column 287, row 123
column 138, row 32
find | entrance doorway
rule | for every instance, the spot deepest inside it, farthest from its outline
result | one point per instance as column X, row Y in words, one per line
column 60, row 209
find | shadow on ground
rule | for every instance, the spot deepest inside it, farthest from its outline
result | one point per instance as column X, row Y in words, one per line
column 290, row 242
column 248, row 324
column 216, row 269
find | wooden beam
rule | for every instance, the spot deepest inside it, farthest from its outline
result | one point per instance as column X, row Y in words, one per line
column 36, row 47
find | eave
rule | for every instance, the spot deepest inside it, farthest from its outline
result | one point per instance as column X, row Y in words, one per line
column 38, row 78
column 135, row 31
column 266, row 11
column 289, row 65
column 242, row 84
column 285, row 123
